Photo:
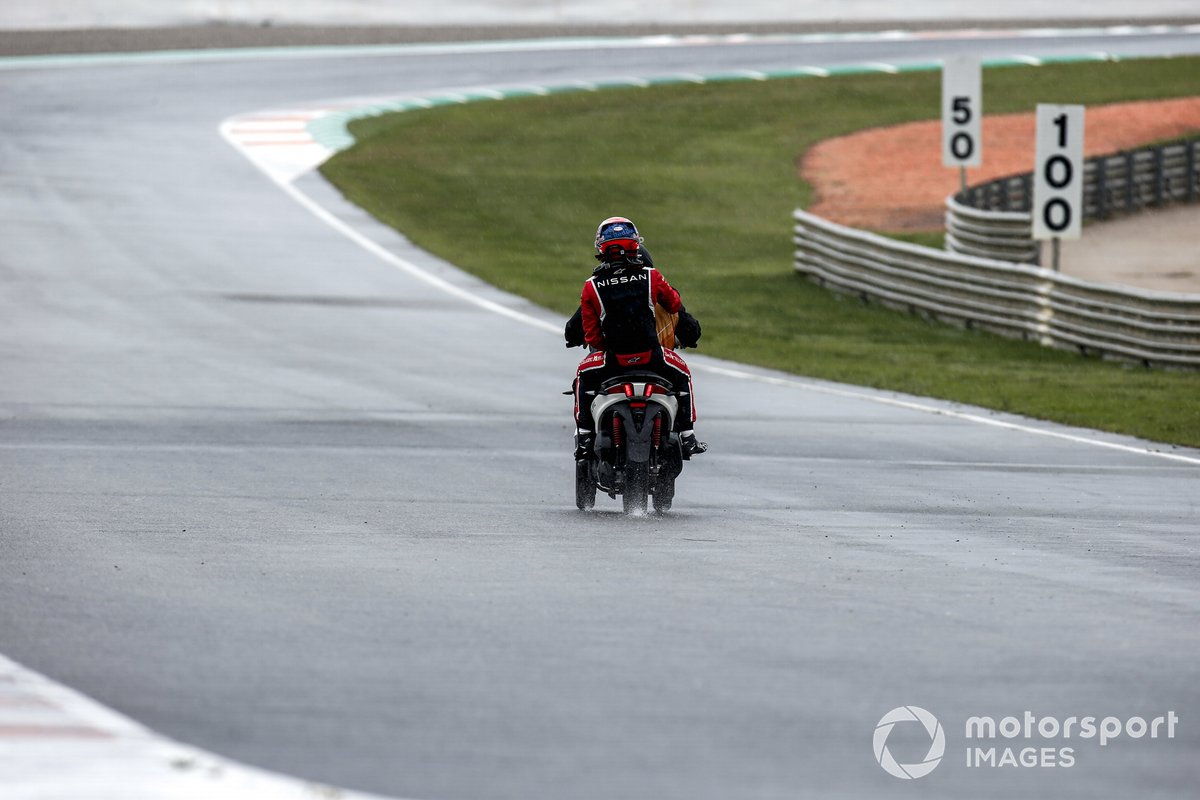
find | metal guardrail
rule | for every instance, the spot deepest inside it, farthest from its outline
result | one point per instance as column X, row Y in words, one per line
column 1015, row 300
column 992, row 219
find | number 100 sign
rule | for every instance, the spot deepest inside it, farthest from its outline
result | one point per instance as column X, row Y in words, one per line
column 1058, row 173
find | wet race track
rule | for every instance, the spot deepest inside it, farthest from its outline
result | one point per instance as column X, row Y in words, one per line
column 248, row 497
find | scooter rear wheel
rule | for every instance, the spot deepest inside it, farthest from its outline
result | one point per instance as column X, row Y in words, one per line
column 664, row 495
column 585, row 487
column 637, row 485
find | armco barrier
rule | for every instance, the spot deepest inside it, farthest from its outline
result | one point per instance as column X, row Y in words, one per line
column 1006, row 235
column 992, row 219
column 1015, row 300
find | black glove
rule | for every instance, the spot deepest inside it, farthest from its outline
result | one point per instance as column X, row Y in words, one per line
column 687, row 329
column 573, row 333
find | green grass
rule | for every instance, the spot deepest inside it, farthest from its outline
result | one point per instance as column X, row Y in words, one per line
column 512, row 192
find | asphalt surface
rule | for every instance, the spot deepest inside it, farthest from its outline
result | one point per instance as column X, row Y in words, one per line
column 627, row 13
column 17, row 41
column 272, row 497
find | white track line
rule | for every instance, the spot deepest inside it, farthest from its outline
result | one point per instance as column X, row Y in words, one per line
column 57, row 744
column 947, row 412
column 377, row 250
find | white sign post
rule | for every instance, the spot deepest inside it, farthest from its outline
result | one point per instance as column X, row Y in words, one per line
column 1058, row 175
column 962, row 114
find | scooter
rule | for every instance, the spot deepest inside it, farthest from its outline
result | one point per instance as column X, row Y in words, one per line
column 637, row 453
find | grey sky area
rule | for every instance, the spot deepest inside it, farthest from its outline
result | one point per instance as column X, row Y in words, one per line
column 136, row 13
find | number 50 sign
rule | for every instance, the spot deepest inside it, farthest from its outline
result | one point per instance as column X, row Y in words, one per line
column 1058, row 173
column 962, row 111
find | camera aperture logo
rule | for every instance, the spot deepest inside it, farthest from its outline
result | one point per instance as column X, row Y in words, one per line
column 1059, row 738
column 937, row 742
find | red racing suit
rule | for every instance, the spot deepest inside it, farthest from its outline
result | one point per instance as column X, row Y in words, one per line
column 618, row 321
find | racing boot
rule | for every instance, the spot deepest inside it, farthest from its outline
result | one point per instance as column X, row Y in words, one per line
column 690, row 445
column 585, row 445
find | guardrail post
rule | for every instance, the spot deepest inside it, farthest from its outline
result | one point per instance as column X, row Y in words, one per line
column 1160, row 177
column 1190, row 170
column 1102, row 188
column 1130, row 183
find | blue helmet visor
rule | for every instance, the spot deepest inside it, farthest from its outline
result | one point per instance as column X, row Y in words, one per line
column 617, row 230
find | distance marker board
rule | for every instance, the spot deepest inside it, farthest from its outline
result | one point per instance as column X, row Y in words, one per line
column 962, row 112
column 1058, row 173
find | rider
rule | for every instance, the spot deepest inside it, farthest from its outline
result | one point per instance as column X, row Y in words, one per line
column 617, row 311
